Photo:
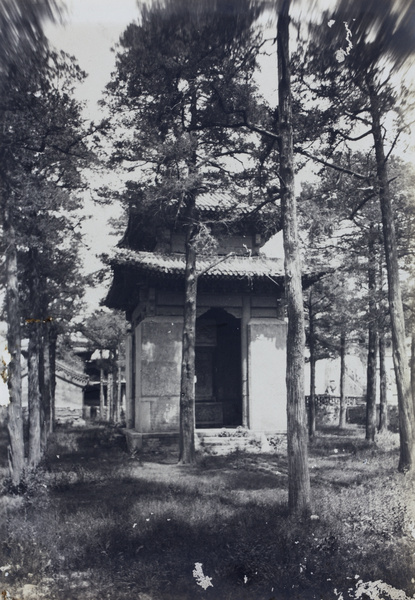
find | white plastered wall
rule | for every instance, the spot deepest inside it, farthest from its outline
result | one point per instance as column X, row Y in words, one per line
column 157, row 373
column 267, row 341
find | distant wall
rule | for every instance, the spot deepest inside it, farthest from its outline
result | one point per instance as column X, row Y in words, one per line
column 68, row 395
column 357, row 415
column 327, row 411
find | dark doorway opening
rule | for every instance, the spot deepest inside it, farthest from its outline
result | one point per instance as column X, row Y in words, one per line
column 218, row 370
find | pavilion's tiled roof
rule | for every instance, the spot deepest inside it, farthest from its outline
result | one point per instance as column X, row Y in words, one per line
column 214, row 201
column 213, row 267
column 227, row 214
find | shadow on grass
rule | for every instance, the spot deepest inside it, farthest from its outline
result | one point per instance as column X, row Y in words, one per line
column 134, row 527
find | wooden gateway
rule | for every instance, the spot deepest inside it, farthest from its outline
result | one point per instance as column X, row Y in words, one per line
column 240, row 331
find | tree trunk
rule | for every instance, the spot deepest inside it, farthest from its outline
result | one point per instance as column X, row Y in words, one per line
column 101, row 390
column 373, row 341
column 187, row 379
column 114, row 390
column 383, row 376
column 311, row 346
column 383, row 415
column 402, row 371
column 34, row 395
column 312, row 408
column 34, row 350
column 343, row 408
column 46, row 384
column 371, row 416
column 298, row 474
column 14, row 379
column 119, row 385
column 44, row 401
column 53, row 337
column 110, row 396
column 413, row 351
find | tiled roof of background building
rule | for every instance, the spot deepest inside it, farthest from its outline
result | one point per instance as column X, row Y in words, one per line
column 68, row 373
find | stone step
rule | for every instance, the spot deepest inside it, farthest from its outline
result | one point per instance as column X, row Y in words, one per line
column 225, row 442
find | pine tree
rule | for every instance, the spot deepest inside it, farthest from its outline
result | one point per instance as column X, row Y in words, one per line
column 21, row 24
column 42, row 151
column 299, row 500
column 360, row 41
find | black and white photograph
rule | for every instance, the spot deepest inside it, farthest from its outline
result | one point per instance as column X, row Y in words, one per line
column 207, row 330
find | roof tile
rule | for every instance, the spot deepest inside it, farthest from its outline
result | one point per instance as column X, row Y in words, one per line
column 218, row 266
column 213, row 201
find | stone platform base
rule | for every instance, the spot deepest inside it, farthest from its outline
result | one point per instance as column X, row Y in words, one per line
column 211, row 441
column 224, row 441
column 137, row 441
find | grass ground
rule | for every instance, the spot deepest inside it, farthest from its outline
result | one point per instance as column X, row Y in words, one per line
column 97, row 523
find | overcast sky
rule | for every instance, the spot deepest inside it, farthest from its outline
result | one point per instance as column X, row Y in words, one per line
column 90, row 29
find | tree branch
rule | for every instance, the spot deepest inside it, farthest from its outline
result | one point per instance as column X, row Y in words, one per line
column 332, row 165
column 363, row 202
column 393, row 145
column 354, row 139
